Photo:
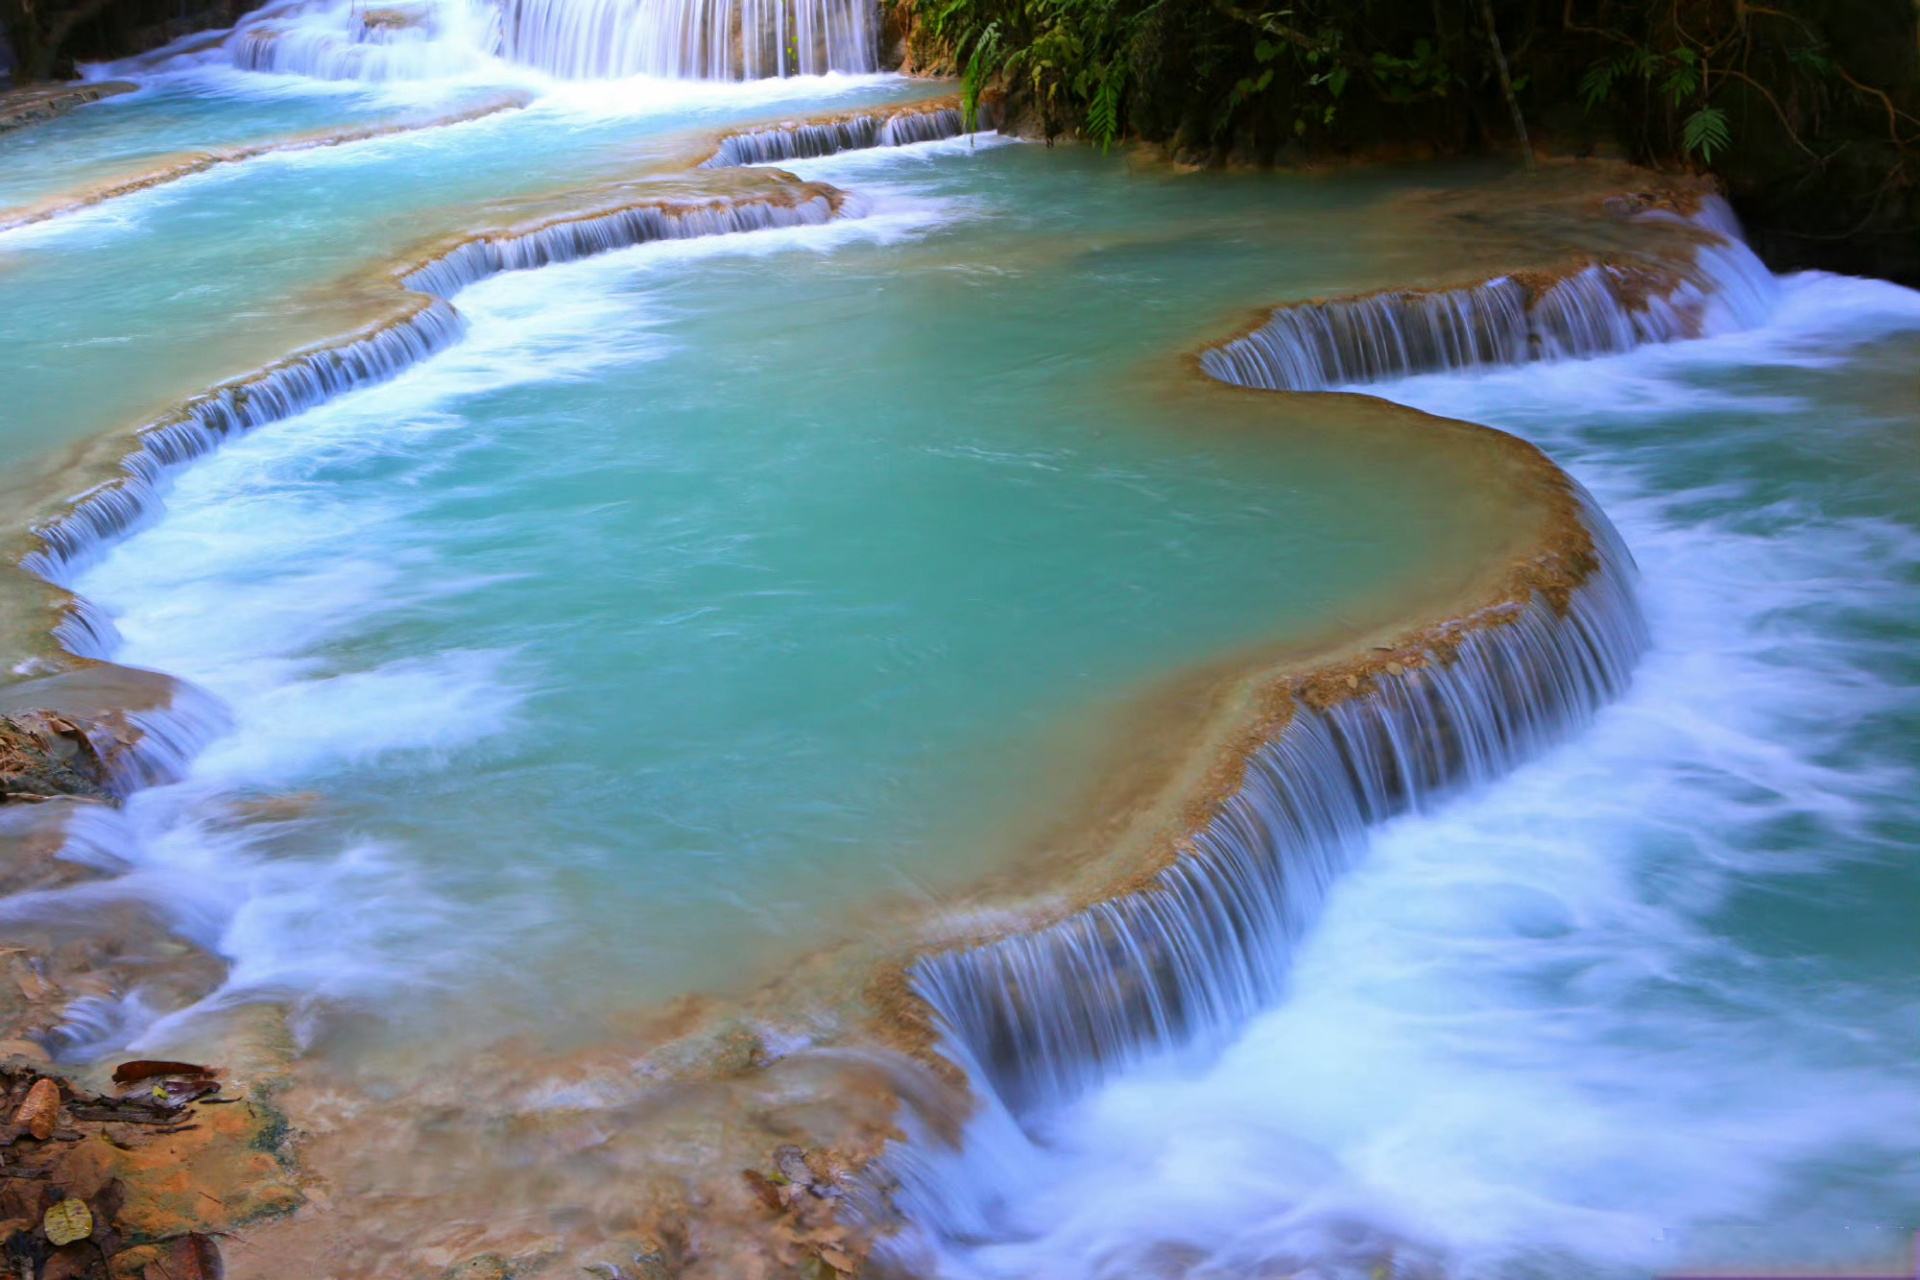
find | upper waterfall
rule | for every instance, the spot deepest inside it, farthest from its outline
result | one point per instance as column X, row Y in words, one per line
column 567, row 39
column 692, row 39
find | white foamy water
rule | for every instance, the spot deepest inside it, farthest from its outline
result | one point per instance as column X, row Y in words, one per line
column 531, row 41
column 1606, row 1016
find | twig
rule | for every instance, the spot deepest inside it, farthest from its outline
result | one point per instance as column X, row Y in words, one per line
column 1778, row 111
column 1567, row 23
column 1894, row 114
column 1290, row 35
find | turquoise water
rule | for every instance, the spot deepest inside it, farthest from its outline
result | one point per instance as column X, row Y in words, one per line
column 711, row 597
column 122, row 136
column 1647, row 1006
column 125, row 309
column 709, row 589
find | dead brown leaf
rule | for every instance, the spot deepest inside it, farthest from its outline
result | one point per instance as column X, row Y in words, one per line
column 41, row 1111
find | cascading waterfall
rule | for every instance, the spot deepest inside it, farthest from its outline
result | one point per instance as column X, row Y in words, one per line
column 136, row 748
column 567, row 39
column 1038, row 1018
column 1600, row 309
column 692, row 39
column 166, row 739
column 855, row 133
column 112, row 509
column 328, row 41
column 582, row 237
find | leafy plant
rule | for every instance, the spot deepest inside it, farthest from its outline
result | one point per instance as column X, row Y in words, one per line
column 1679, row 80
column 1681, row 73
column 1705, row 132
column 1408, row 79
column 983, row 63
column 1103, row 111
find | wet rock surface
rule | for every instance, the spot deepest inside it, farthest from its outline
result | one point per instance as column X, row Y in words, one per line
column 136, row 1184
column 22, row 107
column 45, row 754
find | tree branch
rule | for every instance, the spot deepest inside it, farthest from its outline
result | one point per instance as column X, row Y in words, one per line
column 1567, row 23
column 1792, row 134
column 1299, row 39
column 1894, row 114
column 1506, row 85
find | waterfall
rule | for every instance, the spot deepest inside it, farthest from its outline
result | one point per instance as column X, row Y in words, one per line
column 326, row 40
column 566, row 239
column 1038, row 1018
column 692, row 39
column 1597, row 309
column 110, row 510
column 804, row 141
column 567, row 39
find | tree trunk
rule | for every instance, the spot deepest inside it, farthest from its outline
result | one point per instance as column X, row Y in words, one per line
column 1506, row 85
column 32, row 54
column 37, row 30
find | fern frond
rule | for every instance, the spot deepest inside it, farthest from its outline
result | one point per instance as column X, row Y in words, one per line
column 1597, row 84
column 1705, row 132
column 982, row 65
column 1103, row 112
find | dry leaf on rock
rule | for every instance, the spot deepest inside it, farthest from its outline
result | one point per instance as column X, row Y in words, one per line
column 41, row 1111
column 68, row 1221
column 146, row 1068
column 762, row 1188
column 197, row 1257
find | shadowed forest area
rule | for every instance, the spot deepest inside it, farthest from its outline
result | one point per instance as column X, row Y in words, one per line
column 1808, row 110
column 44, row 39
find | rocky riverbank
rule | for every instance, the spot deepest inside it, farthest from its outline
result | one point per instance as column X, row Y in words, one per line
column 136, row 1183
column 22, row 107
column 132, row 1172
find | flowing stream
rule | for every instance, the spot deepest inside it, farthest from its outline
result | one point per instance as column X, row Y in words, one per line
column 683, row 588
column 1648, row 1003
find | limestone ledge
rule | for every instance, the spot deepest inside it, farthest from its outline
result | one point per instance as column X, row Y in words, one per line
column 22, row 107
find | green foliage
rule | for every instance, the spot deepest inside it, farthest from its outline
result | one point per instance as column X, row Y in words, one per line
column 1425, row 73
column 1103, row 110
column 1681, row 73
column 983, row 63
column 1205, row 67
column 1675, row 81
column 1597, row 85
column 1067, row 57
column 1814, row 62
column 1677, row 70
column 1706, row 132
